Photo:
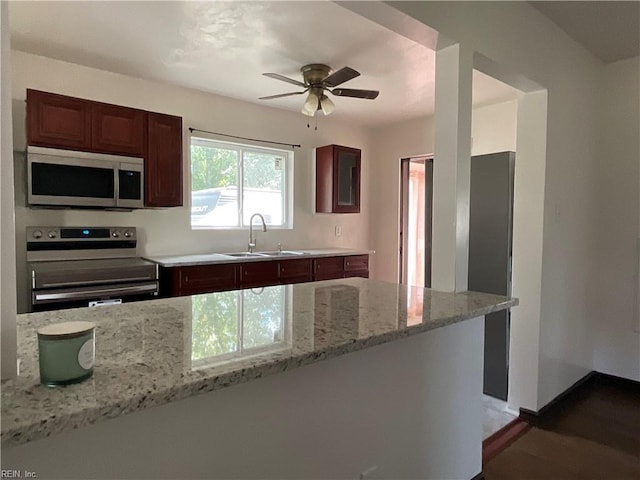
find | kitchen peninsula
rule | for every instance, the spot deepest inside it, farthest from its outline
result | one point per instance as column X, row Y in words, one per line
column 397, row 395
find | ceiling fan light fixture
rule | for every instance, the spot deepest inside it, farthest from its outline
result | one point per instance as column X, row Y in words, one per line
column 326, row 105
column 311, row 104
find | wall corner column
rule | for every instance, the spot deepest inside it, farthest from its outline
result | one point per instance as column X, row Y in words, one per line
column 452, row 168
column 7, row 210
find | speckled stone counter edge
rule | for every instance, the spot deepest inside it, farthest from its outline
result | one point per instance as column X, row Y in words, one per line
column 57, row 424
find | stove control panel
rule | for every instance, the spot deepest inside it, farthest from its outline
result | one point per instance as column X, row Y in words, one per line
column 76, row 243
column 80, row 234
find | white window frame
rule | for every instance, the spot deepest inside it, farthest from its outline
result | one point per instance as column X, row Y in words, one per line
column 241, row 148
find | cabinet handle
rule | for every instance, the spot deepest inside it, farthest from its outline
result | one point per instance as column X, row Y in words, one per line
column 348, row 264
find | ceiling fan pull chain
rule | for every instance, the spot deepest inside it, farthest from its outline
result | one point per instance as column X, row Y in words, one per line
column 316, row 122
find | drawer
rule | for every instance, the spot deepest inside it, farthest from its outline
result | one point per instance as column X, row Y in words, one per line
column 298, row 268
column 329, row 266
column 355, row 263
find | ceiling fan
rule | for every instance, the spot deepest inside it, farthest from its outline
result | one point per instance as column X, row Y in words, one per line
column 318, row 79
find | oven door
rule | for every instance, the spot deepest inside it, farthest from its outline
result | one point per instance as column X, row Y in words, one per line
column 98, row 292
column 130, row 186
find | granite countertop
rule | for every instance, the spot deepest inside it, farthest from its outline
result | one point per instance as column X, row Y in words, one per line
column 155, row 352
column 213, row 258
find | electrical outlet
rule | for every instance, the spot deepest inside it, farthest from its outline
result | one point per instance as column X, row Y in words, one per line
column 338, row 230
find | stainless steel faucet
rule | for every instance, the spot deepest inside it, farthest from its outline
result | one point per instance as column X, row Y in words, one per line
column 252, row 240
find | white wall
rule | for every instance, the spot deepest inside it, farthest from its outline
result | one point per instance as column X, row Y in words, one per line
column 7, row 234
column 617, row 349
column 520, row 39
column 168, row 231
column 493, row 129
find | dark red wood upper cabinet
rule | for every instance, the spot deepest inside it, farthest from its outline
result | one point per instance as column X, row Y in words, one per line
column 58, row 121
column 163, row 161
column 337, row 179
column 117, row 130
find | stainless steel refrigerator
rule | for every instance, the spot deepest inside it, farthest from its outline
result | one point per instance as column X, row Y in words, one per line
column 490, row 240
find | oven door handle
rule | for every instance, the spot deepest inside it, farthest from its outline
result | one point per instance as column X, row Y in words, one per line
column 44, row 297
column 95, row 282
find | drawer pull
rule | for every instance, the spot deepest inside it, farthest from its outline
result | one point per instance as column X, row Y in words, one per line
column 348, row 264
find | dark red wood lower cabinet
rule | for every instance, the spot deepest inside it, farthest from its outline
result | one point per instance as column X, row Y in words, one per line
column 192, row 280
column 259, row 274
column 295, row 271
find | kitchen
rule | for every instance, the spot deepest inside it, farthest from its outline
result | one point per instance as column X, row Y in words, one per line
column 168, row 231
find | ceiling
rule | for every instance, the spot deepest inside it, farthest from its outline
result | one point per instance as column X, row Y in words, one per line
column 609, row 30
column 224, row 47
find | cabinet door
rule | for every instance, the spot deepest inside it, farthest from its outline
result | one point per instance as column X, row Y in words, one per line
column 346, row 180
column 356, row 263
column 337, row 179
column 259, row 274
column 295, row 271
column 58, row 121
column 327, row 268
column 117, row 130
column 163, row 162
column 196, row 279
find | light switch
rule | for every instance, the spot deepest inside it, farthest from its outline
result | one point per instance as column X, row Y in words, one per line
column 338, row 230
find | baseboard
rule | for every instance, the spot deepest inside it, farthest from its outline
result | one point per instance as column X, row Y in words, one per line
column 573, row 392
column 618, row 382
column 504, row 437
column 535, row 418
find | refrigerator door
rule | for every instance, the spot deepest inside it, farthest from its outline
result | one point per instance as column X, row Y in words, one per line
column 490, row 234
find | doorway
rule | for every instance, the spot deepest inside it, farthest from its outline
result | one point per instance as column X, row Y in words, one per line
column 416, row 198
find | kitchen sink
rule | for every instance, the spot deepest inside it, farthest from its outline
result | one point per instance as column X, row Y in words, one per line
column 283, row 253
column 244, row 254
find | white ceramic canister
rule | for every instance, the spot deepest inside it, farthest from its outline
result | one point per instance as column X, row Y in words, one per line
column 66, row 352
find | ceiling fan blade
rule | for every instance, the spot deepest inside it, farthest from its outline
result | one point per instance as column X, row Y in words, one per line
column 350, row 92
column 280, row 95
column 343, row 75
column 277, row 76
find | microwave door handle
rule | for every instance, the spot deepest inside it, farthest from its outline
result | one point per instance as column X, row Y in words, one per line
column 116, row 186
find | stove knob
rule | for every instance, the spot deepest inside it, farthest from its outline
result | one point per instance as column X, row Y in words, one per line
column 37, row 234
column 115, row 234
column 53, row 234
column 128, row 234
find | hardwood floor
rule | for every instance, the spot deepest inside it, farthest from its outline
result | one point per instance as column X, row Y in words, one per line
column 596, row 436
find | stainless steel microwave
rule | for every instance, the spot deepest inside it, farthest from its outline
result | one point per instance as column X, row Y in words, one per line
column 82, row 179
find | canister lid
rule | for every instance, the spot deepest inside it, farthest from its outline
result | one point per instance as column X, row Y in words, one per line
column 66, row 329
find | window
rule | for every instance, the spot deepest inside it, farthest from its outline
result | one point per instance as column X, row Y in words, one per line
column 231, row 182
